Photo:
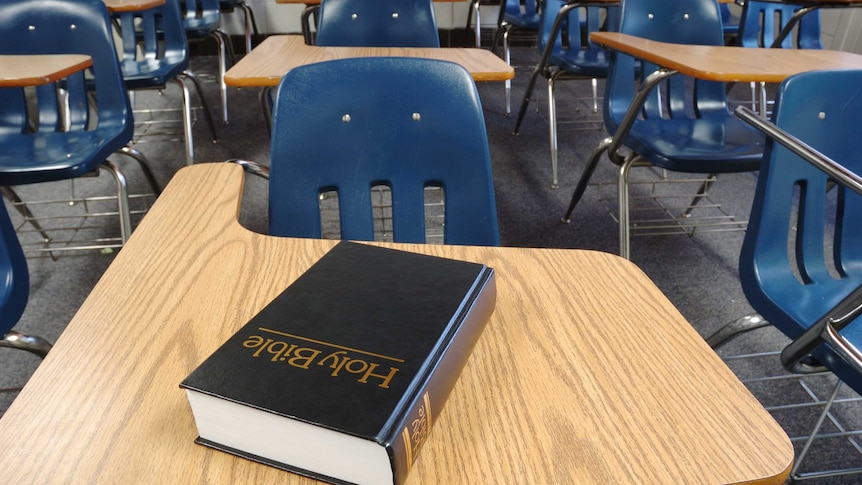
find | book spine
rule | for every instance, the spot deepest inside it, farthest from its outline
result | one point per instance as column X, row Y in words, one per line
column 409, row 435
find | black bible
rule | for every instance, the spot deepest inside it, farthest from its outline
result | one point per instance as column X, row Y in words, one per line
column 342, row 376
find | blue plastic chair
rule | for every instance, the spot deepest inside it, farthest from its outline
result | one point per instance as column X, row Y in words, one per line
column 202, row 20
column 729, row 22
column 14, row 291
column 802, row 253
column 684, row 129
column 566, row 53
column 155, row 52
column 379, row 23
column 514, row 17
column 405, row 123
column 760, row 25
column 42, row 148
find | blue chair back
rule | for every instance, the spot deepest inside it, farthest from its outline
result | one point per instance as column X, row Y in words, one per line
column 200, row 17
column 406, row 123
column 377, row 23
column 572, row 49
column 729, row 23
column 14, row 277
column 524, row 16
column 688, row 127
column 802, row 251
column 154, row 45
column 54, row 152
column 761, row 22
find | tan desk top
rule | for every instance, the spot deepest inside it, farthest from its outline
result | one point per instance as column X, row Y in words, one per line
column 131, row 5
column 585, row 374
column 35, row 70
column 729, row 64
column 277, row 54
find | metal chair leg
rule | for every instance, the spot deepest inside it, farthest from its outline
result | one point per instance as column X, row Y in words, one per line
column 592, row 163
column 223, row 43
column 250, row 25
column 145, row 166
column 507, row 55
column 30, row 343
column 122, row 199
column 552, row 129
column 22, row 209
column 736, row 328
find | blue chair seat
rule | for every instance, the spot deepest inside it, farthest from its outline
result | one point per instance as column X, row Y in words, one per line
column 200, row 27
column 49, row 156
column 702, row 145
column 590, row 62
column 148, row 73
column 528, row 21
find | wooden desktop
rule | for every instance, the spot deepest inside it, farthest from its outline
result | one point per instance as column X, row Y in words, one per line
column 586, row 373
column 39, row 69
column 277, row 54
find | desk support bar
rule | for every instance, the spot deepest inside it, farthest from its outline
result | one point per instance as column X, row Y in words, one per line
column 832, row 168
column 613, row 143
column 828, row 327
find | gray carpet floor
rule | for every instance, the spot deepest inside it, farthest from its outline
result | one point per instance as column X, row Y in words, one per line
column 698, row 272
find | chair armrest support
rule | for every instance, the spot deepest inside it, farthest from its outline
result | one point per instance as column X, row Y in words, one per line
column 827, row 330
column 251, row 167
column 835, row 170
column 631, row 115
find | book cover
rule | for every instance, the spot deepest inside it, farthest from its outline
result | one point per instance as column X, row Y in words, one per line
column 342, row 376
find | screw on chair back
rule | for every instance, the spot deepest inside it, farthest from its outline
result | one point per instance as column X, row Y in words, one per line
column 377, row 23
column 803, row 249
column 100, row 118
column 404, row 123
column 762, row 21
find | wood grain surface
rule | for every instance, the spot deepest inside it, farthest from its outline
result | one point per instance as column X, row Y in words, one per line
column 278, row 54
column 131, row 5
column 729, row 64
column 36, row 70
column 585, row 373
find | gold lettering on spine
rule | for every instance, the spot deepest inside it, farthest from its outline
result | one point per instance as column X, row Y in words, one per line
column 405, row 435
column 427, row 400
column 421, row 427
